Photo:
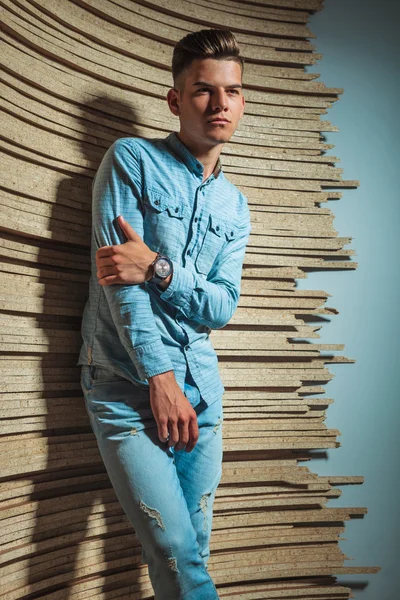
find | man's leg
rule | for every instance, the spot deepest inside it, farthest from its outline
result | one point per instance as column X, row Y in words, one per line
column 143, row 474
column 200, row 470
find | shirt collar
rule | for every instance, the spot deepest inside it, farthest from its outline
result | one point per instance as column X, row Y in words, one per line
column 194, row 165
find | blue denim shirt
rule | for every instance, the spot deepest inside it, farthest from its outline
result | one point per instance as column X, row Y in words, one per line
column 138, row 331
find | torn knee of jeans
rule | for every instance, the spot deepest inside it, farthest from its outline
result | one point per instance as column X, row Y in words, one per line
column 152, row 512
column 134, row 431
column 218, row 424
column 204, row 505
column 173, row 563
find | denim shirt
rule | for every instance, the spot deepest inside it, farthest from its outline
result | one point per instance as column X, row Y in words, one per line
column 138, row 331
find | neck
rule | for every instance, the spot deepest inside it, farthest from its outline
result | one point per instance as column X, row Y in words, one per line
column 207, row 156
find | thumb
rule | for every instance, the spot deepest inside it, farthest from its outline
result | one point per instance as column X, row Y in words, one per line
column 128, row 230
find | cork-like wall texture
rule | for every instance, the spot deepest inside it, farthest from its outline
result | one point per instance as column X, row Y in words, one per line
column 78, row 74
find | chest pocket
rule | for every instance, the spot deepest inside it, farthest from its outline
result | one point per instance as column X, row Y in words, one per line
column 164, row 221
column 215, row 238
column 159, row 202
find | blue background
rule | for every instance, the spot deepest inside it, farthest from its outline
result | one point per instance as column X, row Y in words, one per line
column 359, row 40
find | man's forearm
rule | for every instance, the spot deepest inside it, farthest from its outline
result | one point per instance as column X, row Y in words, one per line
column 215, row 307
column 206, row 302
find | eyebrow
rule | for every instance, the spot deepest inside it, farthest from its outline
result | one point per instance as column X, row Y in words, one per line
column 234, row 85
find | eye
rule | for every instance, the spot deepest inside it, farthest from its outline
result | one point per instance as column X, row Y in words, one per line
column 233, row 91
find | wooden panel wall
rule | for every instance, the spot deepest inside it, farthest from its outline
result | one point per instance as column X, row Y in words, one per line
column 79, row 74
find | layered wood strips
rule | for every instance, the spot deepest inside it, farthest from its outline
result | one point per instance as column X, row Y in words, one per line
column 79, row 74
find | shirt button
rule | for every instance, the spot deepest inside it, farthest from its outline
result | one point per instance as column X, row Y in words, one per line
column 177, row 208
column 187, row 347
column 188, row 252
column 196, row 219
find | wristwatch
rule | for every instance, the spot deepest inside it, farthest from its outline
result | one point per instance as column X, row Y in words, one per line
column 162, row 267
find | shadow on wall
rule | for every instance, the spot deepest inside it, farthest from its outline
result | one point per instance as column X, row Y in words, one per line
column 71, row 530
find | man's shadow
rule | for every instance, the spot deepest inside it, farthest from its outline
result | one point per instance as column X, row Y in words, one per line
column 78, row 523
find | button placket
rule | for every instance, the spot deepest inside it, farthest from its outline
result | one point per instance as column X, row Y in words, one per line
column 196, row 233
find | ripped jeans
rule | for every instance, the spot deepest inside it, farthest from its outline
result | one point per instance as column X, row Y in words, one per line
column 167, row 494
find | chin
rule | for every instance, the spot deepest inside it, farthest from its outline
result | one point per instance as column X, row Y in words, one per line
column 221, row 137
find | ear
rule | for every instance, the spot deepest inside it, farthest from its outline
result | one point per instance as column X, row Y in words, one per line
column 173, row 100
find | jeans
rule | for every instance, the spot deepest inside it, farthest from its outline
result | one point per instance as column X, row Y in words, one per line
column 167, row 494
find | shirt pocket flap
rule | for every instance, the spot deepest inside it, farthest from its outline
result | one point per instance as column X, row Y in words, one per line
column 176, row 208
column 158, row 200
column 216, row 225
column 231, row 232
column 161, row 201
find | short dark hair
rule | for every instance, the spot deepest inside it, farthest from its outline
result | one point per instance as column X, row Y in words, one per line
column 219, row 44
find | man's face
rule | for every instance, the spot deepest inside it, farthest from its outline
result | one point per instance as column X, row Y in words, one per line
column 208, row 89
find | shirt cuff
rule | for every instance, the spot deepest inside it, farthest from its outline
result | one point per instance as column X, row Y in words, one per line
column 181, row 286
column 151, row 359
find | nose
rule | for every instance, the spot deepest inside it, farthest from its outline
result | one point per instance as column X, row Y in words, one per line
column 218, row 100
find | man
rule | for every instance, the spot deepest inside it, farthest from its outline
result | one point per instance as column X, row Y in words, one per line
column 168, row 241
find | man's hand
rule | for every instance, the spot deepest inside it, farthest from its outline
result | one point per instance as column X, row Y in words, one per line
column 173, row 412
column 125, row 263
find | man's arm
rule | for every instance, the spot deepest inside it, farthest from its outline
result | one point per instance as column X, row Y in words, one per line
column 210, row 301
column 117, row 190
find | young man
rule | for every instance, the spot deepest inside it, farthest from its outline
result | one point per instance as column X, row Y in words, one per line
column 168, row 241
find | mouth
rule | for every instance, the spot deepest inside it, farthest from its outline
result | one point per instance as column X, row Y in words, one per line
column 218, row 121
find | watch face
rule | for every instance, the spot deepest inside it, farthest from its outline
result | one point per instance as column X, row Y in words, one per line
column 162, row 267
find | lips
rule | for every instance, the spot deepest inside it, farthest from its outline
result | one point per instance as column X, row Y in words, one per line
column 218, row 120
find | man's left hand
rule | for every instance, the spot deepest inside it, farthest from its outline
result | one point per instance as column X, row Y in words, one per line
column 127, row 263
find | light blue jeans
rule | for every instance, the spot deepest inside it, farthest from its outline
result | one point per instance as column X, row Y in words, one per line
column 167, row 494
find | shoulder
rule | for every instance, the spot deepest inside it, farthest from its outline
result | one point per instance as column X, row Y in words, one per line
column 137, row 145
column 150, row 151
column 125, row 145
column 136, row 153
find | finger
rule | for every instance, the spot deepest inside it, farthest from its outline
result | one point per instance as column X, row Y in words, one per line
column 163, row 433
column 105, row 271
column 128, row 229
column 183, row 435
column 173, row 433
column 193, row 434
column 109, row 280
column 105, row 251
column 104, row 261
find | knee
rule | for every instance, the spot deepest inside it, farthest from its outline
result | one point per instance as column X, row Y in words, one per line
column 165, row 541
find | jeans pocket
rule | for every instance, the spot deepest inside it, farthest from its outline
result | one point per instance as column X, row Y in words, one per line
column 101, row 375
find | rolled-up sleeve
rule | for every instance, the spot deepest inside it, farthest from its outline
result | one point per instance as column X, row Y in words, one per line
column 214, row 300
column 117, row 191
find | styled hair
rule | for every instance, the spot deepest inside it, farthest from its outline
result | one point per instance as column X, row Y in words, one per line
column 219, row 44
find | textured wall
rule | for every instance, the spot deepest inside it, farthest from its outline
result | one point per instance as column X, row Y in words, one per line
column 79, row 74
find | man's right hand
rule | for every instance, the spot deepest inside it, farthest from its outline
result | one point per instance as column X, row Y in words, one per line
column 173, row 412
